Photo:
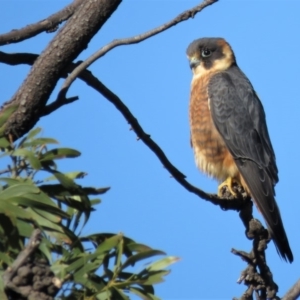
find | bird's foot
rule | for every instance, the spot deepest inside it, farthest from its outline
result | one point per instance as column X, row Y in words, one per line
column 229, row 182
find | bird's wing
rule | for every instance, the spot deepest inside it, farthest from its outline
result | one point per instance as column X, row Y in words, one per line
column 239, row 117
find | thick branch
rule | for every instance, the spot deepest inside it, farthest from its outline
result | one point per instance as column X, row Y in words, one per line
column 49, row 24
column 47, row 69
column 30, row 277
column 33, row 243
column 132, row 40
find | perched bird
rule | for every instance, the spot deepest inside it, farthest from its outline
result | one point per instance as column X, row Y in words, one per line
column 229, row 134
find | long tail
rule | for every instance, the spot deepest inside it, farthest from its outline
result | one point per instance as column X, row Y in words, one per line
column 261, row 188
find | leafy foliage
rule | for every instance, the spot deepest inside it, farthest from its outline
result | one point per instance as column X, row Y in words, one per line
column 98, row 266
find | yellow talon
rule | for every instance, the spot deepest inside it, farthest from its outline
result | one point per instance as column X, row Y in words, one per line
column 229, row 183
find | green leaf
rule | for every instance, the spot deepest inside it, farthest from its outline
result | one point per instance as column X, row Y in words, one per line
column 32, row 133
column 71, row 175
column 4, row 143
column 45, row 249
column 18, row 190
column 59, row 153
column 125, row 275
column 118, row 294
column 55, row 190
column 68, row 197
column 11, row 235
column 155, row 277
column 95, row 202
column 105, row 295
column 119, row 255
column 143, row 294
column 78, row 263
column 34, row 162
column 97, row 283
column 134, row 247
column 6, row 258
column 95, row 191
column 48, row 164
column 14, row 181
column 86, row 269
column 49, row 215
column 140, row 256
column 148, row 288
column 81, row 275
column 162, row 263
column 25, row 229
column 39, row 142
column 99, row 238
column 64, row 180
column 59, row 268
column 46, row 224
column 83, row 203
column 43, row 199
column 14, row 211
column 109, row 243
column 64, row 237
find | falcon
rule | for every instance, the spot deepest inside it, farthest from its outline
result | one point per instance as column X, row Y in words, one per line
column 229, row 133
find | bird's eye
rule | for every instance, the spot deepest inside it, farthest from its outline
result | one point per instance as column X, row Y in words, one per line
column 206, row 53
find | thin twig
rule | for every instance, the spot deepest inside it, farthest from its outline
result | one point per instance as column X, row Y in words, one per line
column 5, row 171
column 293, row 293
column 14, row 59
column 132, row 40
column 50, row 24
column 58, row 103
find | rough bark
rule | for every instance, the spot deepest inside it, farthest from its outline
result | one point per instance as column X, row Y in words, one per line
column 29, row 277
column 69, row 42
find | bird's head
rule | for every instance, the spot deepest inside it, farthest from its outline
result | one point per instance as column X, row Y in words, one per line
column 210, row 54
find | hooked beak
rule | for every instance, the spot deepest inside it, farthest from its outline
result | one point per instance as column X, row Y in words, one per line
column 194, row 62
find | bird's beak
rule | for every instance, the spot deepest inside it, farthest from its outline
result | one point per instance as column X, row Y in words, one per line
column 194, row 62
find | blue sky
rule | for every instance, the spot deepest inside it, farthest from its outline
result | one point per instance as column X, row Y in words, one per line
column 153, row 79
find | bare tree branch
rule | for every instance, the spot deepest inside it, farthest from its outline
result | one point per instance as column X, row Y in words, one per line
column 132, row 40
column 233, row 204
column 293, row 293
column 18, row 58
column 92, row 81
column 257, row 276
column 57, row 104
column 32, row 96
column 49, row 24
